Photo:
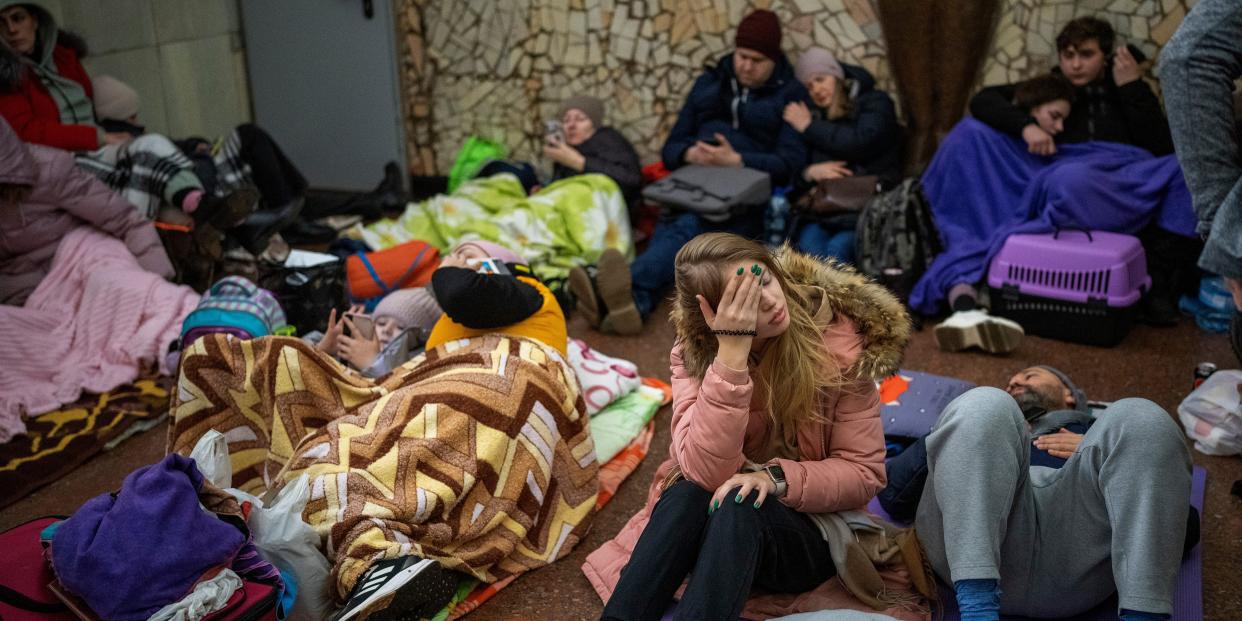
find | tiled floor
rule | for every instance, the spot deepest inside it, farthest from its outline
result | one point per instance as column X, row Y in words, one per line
column 1151, row 363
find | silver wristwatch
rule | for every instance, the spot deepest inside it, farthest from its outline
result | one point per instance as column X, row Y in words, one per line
column 778, row 477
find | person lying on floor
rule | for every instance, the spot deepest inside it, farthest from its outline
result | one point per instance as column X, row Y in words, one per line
column 399, row 328
column 480, row 287
column 476, row 457
column 775, row 427
column 1097, row 173
column 1049, row 528
column 47, row 97
column 731, row 119
column 249, row 156
column 851, row 130
column 43, row 196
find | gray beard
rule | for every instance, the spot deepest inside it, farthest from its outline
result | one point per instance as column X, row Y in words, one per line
column 1034, row 405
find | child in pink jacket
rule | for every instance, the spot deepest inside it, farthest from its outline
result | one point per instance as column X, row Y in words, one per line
column 775, row 420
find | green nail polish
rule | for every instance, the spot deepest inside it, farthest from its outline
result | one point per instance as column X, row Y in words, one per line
column 739, row 271
column 715, row 505
column 754, row 269
column 738, row 499
column 756, row 505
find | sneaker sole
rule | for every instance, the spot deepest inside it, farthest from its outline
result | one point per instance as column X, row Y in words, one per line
column 397, row 581
column 437, row 586
column 613, row 280
column 584, row 295
column 990, row 336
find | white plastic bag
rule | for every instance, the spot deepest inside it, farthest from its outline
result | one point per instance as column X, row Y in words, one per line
column 290, row 544
column 278, row 531
column 1212, row 414
column 211, row 455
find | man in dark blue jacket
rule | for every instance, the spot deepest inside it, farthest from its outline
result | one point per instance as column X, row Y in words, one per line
column 732, row 118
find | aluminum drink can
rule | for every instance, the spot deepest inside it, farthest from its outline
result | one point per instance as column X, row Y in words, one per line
column 1203, row 370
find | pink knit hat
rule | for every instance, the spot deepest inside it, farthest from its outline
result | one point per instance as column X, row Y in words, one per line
column 494, row 250
column 410, row 308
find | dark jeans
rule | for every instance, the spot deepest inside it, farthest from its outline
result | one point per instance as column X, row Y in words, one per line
column 907, row 472
column 773, row 547
column 276, row 178
column 652, row 273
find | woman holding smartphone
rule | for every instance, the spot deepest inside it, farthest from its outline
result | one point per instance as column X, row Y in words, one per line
column 584, row 145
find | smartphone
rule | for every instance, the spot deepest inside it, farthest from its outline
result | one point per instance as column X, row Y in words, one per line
column 364, row 327
column 554, row 131
column 487, row 266
column 715, row 142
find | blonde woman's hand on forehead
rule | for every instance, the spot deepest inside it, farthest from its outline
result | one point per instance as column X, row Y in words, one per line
column 739, row 304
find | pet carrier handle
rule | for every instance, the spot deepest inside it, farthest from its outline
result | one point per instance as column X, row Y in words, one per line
column 1057, row 234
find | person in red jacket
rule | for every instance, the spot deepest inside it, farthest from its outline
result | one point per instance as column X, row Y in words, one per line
column 47, row 98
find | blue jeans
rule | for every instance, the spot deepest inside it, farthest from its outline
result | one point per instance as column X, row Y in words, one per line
column 823, row 241
column 652, row 273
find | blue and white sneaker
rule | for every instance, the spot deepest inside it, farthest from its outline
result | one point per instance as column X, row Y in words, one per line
column 376, row 588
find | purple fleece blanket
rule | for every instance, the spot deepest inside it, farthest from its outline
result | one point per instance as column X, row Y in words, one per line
column 984, row 186
column 131, row 553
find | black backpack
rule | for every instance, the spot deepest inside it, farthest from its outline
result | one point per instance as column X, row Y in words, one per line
column 897, row 238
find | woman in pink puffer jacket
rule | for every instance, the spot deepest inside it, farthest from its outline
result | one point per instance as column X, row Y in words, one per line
column 775, row 420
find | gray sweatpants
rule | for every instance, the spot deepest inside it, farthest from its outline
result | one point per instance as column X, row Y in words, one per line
column 1060, row 541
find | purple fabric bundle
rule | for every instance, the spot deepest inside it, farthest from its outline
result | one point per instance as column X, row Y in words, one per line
column 984, row 186
column 131, row 553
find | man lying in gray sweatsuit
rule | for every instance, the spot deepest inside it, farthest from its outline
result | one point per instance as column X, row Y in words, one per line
column 1197, row 72
column 1046, row 542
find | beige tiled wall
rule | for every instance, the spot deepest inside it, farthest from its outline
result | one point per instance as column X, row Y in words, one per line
column 184, row 57
column 497, row 69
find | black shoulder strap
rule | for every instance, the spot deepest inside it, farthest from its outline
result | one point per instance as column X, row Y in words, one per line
column 15, row 599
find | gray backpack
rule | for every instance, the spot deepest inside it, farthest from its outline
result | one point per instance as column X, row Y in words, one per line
column 897, row 238
column 714, row 193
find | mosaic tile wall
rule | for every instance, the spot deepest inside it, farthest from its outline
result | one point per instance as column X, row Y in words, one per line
column 498, row 69
column 1026, row 34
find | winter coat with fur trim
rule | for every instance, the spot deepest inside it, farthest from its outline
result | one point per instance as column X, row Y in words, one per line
column 715, row 425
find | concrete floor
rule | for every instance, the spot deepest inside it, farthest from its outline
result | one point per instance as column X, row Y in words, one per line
column 1151, row 363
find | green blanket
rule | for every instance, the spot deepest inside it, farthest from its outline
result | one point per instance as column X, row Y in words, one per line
column 566, row 224
column 617, row 425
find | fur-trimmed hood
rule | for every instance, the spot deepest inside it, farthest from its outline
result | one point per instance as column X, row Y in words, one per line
column 881, row 319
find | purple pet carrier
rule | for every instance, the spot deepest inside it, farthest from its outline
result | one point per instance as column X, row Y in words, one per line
column 1076, row 286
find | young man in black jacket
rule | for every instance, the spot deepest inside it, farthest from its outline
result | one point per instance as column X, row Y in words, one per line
column 1111, row 103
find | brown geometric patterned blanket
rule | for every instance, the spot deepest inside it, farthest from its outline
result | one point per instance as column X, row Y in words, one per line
column 476, row 454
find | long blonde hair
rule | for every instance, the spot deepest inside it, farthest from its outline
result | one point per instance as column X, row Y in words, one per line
column 794, row 369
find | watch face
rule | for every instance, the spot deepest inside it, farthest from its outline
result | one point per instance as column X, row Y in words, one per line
column 777, row 472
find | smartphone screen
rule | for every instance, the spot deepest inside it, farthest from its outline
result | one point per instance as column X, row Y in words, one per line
column 486, row 266
column 554, row 131
column 364, row 326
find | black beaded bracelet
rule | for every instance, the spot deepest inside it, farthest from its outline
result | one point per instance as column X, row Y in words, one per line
column 735, row 333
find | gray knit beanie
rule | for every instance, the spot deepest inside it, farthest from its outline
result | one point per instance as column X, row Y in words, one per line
column 590, row 106
column 1080, row 397
column 817, row 61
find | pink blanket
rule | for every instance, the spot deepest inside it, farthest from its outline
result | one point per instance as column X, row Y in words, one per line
column 93, row 323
